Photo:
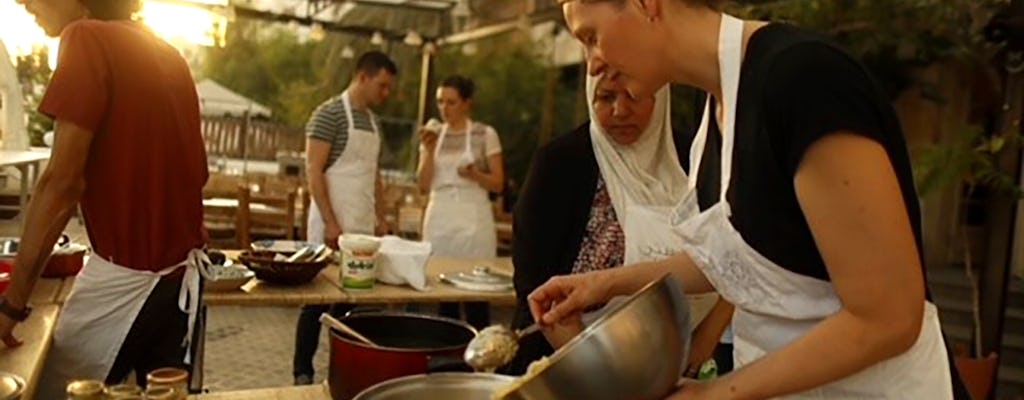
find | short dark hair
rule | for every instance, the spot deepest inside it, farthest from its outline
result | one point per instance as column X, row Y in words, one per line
column 461, row 84
column 372, row 62
column 712, row 4
column 111, row 10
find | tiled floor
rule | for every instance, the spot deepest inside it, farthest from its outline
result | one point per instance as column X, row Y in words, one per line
column 251, row 347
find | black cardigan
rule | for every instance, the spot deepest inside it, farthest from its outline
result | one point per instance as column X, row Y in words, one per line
column 550, row 219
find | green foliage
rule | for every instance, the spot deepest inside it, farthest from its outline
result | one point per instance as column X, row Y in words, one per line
column 267, row 63
column 971, row 158
column 891, row 36
column 34, row 72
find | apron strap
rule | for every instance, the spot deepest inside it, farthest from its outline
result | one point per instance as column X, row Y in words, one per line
column 730, row 56
column 197, row 267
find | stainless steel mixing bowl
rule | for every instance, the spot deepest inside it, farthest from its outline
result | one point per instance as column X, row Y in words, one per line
column 636, row 351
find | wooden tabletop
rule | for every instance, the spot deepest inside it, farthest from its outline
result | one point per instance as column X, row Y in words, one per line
column 315, row 392
column 27, row 360
column 46, row 291
column 326, row 288
column 260, row 293
column 437, row 291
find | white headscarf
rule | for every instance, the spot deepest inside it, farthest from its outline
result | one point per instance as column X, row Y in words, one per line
column 646, row 172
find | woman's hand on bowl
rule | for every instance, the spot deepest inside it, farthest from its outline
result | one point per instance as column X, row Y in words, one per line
column 564, row 296
column 563, row 331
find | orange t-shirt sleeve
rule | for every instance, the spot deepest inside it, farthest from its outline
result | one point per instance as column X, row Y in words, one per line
column 79, row 89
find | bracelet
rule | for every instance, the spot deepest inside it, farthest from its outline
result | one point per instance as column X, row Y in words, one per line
column 16, row 314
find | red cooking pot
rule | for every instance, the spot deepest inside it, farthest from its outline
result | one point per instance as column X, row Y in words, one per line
column 409, row 344
column 6, row 265
column 66, row 260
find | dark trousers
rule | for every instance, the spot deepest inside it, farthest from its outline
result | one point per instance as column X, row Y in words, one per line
column 155, row 339
column 477, row 313
column 307, row 335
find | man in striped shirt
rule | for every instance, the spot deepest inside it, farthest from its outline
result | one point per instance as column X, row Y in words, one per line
column 342, row 148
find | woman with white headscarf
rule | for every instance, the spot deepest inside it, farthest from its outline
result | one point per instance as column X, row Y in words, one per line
column 597, row 198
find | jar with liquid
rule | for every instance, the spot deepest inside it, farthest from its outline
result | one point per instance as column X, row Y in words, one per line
column 126, row 391
column 174, row 378
column 161, row 393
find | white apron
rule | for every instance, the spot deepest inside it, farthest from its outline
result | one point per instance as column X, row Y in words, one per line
column 775, row 306
column 459, row 220
column 351, row 182
column 650, row 237
column 99, row 313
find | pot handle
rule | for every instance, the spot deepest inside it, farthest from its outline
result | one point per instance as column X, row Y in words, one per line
column 437, row 364
column 366, row 310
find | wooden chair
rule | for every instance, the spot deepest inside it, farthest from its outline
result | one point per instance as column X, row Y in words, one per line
column 306, row 200
column 503, row 226
column 221, row 221
column 265, row 216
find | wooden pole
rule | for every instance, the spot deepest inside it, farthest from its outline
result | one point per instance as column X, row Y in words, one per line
column 1002, row 209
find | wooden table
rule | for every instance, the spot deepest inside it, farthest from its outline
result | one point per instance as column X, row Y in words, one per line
column 437, row 291
column 232, row 204
column 27, row 360
column 259, row 293
column 27, row 162
column 51, row 291
column 316, row 392
column 326, row 288
column 46, row 291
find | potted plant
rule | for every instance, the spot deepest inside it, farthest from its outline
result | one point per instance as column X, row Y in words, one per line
column 970, row 161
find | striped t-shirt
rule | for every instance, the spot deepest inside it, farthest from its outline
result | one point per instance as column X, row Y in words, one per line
column 330, row 123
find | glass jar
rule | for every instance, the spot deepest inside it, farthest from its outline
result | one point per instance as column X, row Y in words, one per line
column 174, row 378
column 123, row 391
column 161, row 393
column 85, row 390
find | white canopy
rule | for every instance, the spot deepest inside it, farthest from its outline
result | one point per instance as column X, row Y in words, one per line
column 12, row 110
column 218, row 101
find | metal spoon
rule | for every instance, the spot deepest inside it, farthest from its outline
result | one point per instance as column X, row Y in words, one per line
column 332, row 322
column 495, row 346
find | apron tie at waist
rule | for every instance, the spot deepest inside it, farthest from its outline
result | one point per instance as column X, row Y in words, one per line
column 197, row 267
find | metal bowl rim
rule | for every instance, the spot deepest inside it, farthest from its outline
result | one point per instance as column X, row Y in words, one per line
column 591, row 330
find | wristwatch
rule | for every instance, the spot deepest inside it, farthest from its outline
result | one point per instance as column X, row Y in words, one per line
column 17, row 314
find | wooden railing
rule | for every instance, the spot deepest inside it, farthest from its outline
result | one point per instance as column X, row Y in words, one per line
column 254, row 140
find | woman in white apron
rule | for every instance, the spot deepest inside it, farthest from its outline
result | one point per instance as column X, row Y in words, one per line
column 460, row 164
column 799, row 114
column 597, row 197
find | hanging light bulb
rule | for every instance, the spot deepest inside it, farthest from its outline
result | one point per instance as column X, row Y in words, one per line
column 413, row 38
column 469, row 49
column 316, row 32
column 461, row 9
column 347, row 52
column 377, row 39
column 430, row 48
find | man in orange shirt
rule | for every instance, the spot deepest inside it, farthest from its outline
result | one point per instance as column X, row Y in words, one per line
column 128, row 148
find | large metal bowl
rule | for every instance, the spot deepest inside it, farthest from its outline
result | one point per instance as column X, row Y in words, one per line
column 636, row 351
column 438, row 386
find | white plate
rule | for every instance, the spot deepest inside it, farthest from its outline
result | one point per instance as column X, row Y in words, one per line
column 280, row 246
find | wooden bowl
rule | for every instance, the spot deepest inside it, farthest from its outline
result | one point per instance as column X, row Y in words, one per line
column 280, row 272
